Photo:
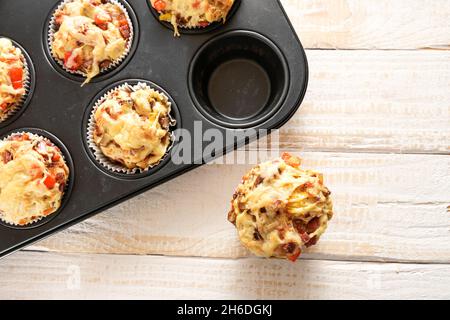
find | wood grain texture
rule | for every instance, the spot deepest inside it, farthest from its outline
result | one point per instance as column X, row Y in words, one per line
column 362, row 106
column 371, row 24
column 114, row 276
column 374, row 101
column 388, row 208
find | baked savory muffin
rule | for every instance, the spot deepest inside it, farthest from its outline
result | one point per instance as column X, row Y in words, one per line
column 33, row 177
column 279, row 208
column 90, row 35
column 12, row 76
column 132, row 126
column 192, row 13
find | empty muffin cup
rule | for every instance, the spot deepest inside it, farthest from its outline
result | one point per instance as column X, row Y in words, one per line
column 238, row 79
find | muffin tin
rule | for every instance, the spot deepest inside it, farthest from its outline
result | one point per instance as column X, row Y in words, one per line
column 256, row 48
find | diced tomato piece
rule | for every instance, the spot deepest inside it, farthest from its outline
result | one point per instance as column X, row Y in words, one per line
column 294, row 162
column 47, row 212
column 56, row 157
column 196, row 4
column 50, row 182
column 102, row 19
column 67, row 56
column 203, row 24
column 295, row 256
column 73, row 63
column 3, row 106
column 16, row 74
column 159, row 5
column 123, row 22
column 59, row 20
column 17, row 85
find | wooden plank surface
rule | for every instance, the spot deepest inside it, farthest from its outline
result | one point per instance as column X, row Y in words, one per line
column 374, row 101
column 38, row 275
column 377, row 122
column 388, row 207
column 371, row 24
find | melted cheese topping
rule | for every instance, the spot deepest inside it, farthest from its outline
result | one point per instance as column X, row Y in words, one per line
column 91, row 36
column 132, row 127
column 33, row 176
column 10, row 58
column 192, row 13
column 279, row 208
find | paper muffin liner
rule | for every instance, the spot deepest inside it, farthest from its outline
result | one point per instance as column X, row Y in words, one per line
column 98, row 153
column 26, row 85
column 114, row 64
column 34, row 136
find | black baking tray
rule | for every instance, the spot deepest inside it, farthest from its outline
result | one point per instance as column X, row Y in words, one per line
column 58, row 107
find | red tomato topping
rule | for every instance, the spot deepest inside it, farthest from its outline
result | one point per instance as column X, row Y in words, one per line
column 102, row 19
column 16, row 76
column 73, row 63
column 295, row 256
column 203, row 24
column 56, row 157
column 50, row 182
column 291, row 160
column 47, row 212
column 159, row 5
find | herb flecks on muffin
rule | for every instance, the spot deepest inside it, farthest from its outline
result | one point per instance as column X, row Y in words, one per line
column 33, row 178
column 132, row 127
column 279, row 208
column 12, row 76
column 192, row 13
column 91, row 35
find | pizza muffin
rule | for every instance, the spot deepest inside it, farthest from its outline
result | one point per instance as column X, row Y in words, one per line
column 33, row 177
column 90, row 36
column 280, row 208
column 192, row 13
column 132, row 126
column 12, row 77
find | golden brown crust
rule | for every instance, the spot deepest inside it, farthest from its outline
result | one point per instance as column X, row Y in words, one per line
column 91, row 35
column 33, row 177
column 279, row 208
column 132, row 126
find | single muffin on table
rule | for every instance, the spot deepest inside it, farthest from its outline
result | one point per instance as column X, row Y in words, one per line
column 132, row 126
column 33, row 177
column 90, row 36
column 279, row 208
column 192, row 13
column 12, row 77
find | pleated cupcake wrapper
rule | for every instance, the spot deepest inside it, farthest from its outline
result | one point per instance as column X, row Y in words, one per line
column 114, row 64
column 33, row 136
column 98, row 154
column 26, row 85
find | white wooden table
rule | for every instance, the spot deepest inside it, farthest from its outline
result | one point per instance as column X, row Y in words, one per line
column 376, row 120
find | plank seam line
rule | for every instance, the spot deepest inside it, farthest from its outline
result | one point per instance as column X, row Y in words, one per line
column 440, row 48
column 240, row 258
